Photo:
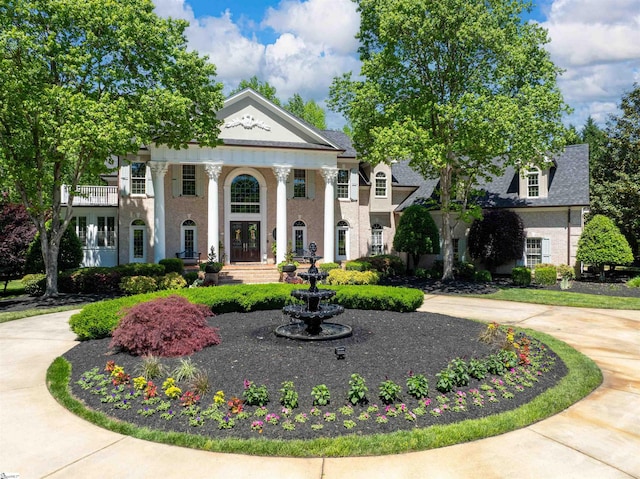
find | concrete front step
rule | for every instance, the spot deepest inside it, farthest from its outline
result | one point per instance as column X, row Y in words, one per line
column 249, row 273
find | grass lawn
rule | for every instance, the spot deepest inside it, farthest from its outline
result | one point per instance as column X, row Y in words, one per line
column 564, row 298
column 14, row 288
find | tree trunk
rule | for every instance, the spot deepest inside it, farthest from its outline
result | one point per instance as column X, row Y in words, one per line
column 447, row 243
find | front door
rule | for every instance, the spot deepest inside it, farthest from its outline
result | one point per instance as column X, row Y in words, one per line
column 245, row 241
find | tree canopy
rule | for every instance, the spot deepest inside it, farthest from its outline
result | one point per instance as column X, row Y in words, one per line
column 497, row 238
column 452, row 86
column 85, row 80
column 615, row 168
column 417, row 234
column 601, row 243
column 16, row 232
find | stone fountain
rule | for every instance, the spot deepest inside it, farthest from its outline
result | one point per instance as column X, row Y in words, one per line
column 308, row 319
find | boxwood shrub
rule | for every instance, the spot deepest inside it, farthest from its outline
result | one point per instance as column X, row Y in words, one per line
column 545, row 274
column 357, row 265
column 482, row 276
column 97, row 320
column 328, row 266
column 171, row 280
column 521, row 276
column 338, row 276
column 141, row 269
column 138, row 284
column 172, row 265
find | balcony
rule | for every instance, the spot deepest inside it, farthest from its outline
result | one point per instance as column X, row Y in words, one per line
column 92, row 196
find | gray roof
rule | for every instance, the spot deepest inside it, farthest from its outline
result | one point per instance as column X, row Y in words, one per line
column 568, row 184
column 342, row 140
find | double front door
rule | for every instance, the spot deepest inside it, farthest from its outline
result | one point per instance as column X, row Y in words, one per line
column 245, row 241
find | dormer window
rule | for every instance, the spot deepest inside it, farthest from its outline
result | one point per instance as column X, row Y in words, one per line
column 533, row 183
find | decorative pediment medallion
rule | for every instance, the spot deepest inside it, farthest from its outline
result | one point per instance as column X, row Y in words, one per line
column 248, row 122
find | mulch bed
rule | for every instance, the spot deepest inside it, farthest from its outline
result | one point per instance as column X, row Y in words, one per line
column 384, row 345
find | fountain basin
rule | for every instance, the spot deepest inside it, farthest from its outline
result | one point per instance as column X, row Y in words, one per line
column 299, row 331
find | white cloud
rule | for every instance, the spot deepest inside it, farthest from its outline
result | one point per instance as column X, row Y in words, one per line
column 332, row 24
column 597, row 42
column 315, row 41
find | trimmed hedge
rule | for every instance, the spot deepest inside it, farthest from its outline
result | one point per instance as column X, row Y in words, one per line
column 98, row 320
column 357, row 265
column 172, row 265
column 328, row 266
column 141, row 269
column 521, row 276
column 545, row 274
column 338, row 276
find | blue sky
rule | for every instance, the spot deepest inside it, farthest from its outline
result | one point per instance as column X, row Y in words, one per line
column 298, row 46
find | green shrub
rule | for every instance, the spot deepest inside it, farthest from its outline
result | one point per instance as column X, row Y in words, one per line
column 465, row 271
column 385, row 264
column 101, row 279
column 69, row 256
column 172, row 265
column 416, row 234
column 545, row 274
column 634, row 282
column 566, row 271
column 171, row 281
column 521, row 276
column 328, row 266
column 338, row 276
column 482, row 276
column 138, row 284
column 357, row 265
column 97, row 320
column 34, row 284
column 601, row 243
column 422, row 273
column 190, row 277
column 141, row 269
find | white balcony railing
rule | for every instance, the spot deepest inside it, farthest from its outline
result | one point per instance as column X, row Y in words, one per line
column 92, row 196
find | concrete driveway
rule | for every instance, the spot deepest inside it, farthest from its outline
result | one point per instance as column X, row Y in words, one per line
column 599, row 437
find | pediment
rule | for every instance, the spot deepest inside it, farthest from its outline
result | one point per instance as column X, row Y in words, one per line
column 248, row 116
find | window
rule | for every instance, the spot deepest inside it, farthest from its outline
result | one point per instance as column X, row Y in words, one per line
column 189, row 239
column 245, row 194
column 138, row 241
column 342, row 185
column 138, row 178
column 188, row 180
column 299, row 237
column 533, row 184
column 80, row 225
column 381, row 185
column 299, row 183
column 106, row 231
column 533, row 251
column 376, row 240
column 342, row 239
column 456, row 248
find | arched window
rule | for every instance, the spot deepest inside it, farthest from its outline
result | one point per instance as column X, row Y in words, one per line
column 245, row 194
column 377, row 246
column 381, row 185
column 189, row 239
column 299, row 235
column 138, row 242
column 342, row 240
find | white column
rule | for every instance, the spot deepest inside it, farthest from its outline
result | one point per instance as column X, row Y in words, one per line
column 282, row 173
column 213, row 221
column 158, row 170
column 329, row 175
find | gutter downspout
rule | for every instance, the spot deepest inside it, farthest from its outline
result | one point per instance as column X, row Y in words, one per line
column 569, row 236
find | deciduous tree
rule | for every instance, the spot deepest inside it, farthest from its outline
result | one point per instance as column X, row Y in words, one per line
column 462, row 88
column 84, row 80
column 16, row 232
column 497, row 238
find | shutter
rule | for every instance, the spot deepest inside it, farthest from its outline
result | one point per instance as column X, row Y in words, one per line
column 462, row 249
column 125, row 175
column 149, row 181
column 290, row 185
column 311, row 184
column 546, row 250
column 354, row 184
column 199, row 181
column 176, row 180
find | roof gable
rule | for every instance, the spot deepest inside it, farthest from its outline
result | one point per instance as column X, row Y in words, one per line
column 249, row 118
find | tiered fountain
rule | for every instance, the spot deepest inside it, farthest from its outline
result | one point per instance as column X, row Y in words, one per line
column 308, row 319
